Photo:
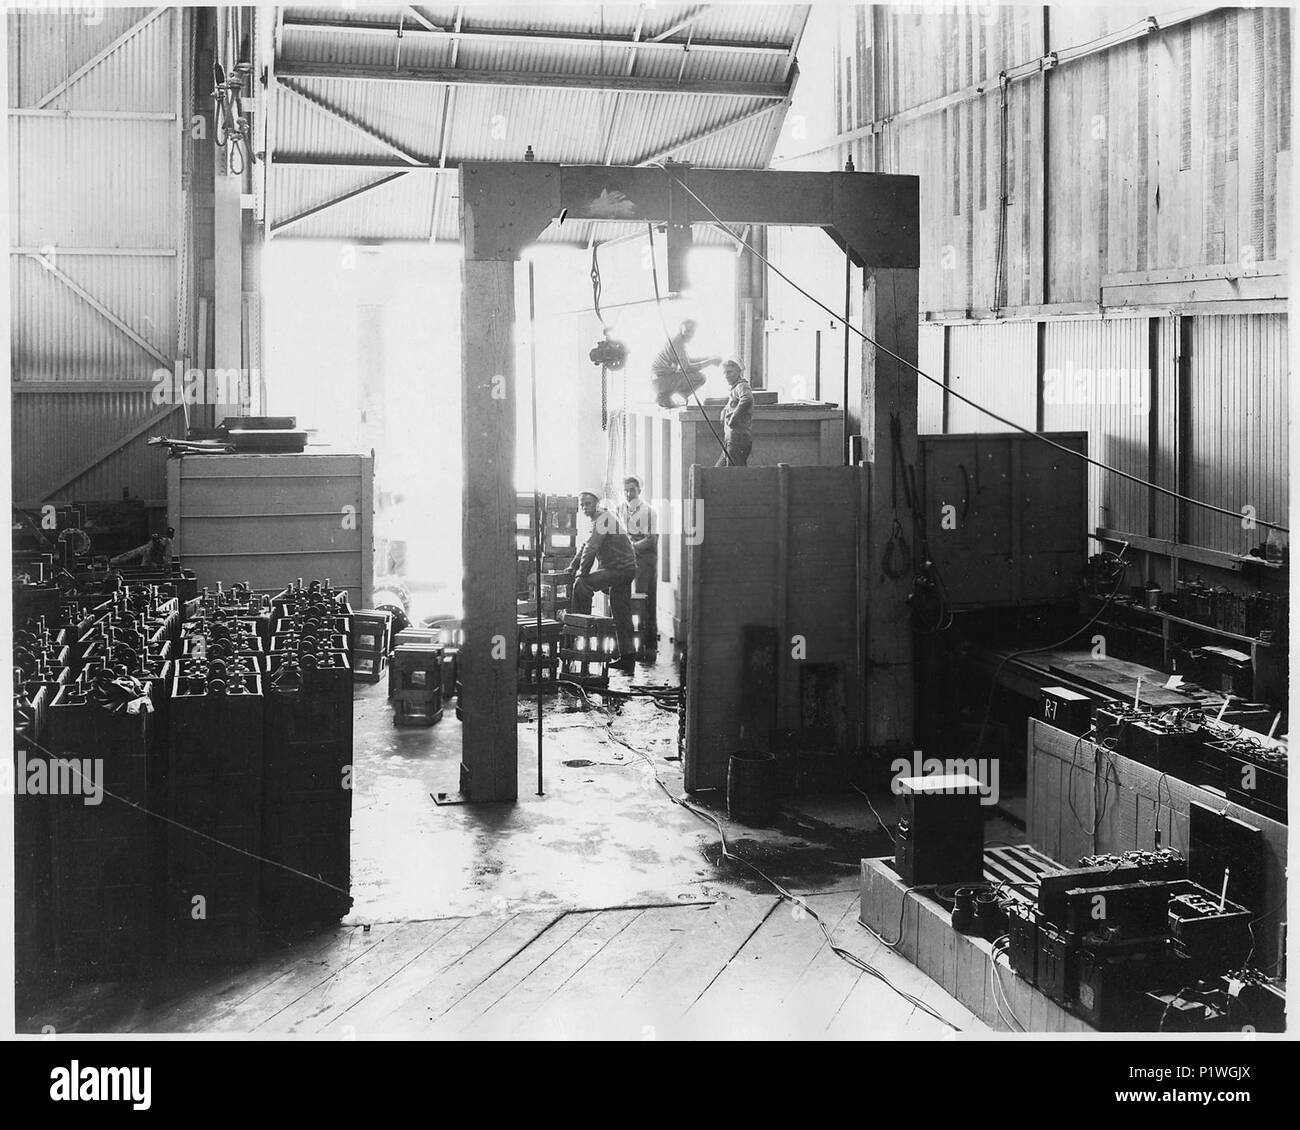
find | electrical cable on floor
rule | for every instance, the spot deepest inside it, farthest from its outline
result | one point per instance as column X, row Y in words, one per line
column 883, row 825
column 949, row 391
column 844, row 954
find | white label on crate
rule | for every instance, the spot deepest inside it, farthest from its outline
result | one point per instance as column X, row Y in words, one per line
column 365, row 666
column 368, row 641
column 418, row 678
column 1086, row 996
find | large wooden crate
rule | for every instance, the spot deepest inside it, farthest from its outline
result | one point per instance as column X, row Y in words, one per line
column 262, row 518
column 663, row 444
column 778, row 553
column 1019, row 512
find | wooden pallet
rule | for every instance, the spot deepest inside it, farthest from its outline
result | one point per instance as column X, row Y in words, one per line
column 1018, row 870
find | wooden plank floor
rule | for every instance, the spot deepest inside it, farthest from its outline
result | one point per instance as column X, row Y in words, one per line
column 747, row 968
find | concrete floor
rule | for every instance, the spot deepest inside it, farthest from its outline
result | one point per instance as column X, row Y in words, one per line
column 604, row 833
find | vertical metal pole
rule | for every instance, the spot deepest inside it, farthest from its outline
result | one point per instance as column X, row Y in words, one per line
column 537, row 512
column 817, row 365
column 848, row 282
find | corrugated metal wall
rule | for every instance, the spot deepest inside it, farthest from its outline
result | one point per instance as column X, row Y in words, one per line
column 1238, row 426
column 929, row 407
column 994, row 366
column 97, row 229
column 1118, row 380
column 1096, row 378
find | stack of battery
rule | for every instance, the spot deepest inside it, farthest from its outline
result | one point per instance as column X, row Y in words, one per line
column 539, row 654
column 307, row 783
column 214, row 792
column 587, row 645
column 1255, row 775
column 40, row 656
column 103, row 729
column 549, row 523
column 415, row 683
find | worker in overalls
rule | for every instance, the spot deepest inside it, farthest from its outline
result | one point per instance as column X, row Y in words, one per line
column 606, row 563
column 737, row 418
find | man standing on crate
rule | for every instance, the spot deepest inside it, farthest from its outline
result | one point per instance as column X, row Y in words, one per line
column 642, row 525
column 610, row 548
column 737, row 418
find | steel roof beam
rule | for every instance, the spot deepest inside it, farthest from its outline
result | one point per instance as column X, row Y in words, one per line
column 325, row 107
column 449, row 76
column 560, row 38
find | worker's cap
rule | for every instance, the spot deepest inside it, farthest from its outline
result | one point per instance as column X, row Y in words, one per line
column 731, row 363
column 632, row 479
column 594, row 494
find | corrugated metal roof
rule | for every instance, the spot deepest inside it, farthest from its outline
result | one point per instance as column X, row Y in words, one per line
column 488, row 122
column 308, row 121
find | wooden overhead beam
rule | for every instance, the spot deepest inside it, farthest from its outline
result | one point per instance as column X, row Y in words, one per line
column 876, row 216
column 456, row 76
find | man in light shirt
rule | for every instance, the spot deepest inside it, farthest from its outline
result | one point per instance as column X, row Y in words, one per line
column 642, row 525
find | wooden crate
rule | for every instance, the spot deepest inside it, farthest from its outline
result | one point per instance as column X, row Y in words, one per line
column 780, row 550
column 312, row 516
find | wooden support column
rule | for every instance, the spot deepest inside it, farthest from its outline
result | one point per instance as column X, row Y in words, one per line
column 890, row 310
column 490, row 750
